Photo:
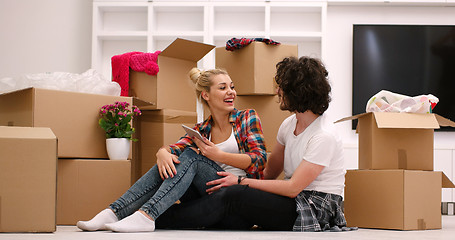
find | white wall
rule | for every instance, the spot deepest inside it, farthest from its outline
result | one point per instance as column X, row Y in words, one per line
column 338, row 52
column 45, row 36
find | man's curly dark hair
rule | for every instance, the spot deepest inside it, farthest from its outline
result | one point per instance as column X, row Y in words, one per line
column 304, row 85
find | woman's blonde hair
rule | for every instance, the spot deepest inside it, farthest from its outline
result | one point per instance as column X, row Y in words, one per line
column 203, row 80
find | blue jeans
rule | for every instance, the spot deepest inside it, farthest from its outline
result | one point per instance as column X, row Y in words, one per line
column 154, row 196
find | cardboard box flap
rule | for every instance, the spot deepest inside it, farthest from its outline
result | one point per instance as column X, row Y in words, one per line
column 186, row 49
column 352, row 117
column 170, row 116
column 444, row 121
column 446, row 183
column 178, row 116
column 26, row 132
column 405, row 120
column 143, row 105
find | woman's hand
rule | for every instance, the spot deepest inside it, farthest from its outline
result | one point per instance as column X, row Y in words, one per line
column 228, row 179
column 165, row 163
column 208, row 148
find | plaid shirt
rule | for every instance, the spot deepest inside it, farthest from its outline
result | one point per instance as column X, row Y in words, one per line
column 318, row 211
column 248, row 134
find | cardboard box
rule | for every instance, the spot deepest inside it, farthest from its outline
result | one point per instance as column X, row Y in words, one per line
column 28, row 170
column 252, row 68
column 397, row 140
column 85, row 187
column 157, row 128
column 269, row 112
column 394, row 199
column 170, row 88
column 72, row 116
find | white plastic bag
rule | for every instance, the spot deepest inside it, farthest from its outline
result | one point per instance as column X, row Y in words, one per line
column 386, row 101
column 88, row 82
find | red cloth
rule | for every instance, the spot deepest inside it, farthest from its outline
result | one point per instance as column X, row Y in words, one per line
column 138, row 61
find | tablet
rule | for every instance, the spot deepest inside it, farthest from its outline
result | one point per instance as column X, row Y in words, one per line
column 192, row 133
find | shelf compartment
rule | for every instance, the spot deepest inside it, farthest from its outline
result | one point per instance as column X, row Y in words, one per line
column 239, row 18
column 168, row 18
column 122, row 18
column 297, row 19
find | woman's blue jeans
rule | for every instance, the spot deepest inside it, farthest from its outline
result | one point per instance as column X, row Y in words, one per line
column 154, row 196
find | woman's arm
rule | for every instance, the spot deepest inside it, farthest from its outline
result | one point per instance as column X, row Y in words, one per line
column 305, row 173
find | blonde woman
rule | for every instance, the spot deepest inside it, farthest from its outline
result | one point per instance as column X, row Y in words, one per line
column 233, row 142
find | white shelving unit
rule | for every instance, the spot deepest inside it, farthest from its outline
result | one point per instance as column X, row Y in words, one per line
column 120, row 27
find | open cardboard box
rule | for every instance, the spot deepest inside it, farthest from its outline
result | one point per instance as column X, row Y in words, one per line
column 397, row 140
column 253, row 67
column 72, row 116
column 170, row 88
column 28, row 170
column 394, row 199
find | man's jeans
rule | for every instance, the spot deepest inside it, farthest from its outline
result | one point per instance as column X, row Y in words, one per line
column 154, row 196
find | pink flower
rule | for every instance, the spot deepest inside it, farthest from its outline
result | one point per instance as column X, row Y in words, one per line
column 113, row 115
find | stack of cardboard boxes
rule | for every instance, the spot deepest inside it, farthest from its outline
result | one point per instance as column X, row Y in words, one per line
column 252, row 69
column 395, row 186
column 54, row 159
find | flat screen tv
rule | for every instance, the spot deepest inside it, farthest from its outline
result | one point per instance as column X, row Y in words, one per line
column 407, row 59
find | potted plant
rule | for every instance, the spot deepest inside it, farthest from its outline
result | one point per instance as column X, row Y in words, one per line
column 116, row 122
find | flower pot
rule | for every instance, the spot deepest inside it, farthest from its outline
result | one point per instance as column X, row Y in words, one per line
column 118, row 148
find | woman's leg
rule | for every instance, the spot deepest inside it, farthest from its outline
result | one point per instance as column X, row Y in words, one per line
column 127, row 204
column 138, row 194
column 193, row 169
column 233, row 207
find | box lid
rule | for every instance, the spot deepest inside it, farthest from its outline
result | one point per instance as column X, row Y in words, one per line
column 402, row 120
column 446, row 183
column 26, row 132
column 444, row 122
column 186, row 49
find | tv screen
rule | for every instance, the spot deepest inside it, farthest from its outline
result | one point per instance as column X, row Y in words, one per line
column 406, row 59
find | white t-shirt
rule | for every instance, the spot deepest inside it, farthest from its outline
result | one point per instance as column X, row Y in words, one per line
column 230, row 146
column 318, row 144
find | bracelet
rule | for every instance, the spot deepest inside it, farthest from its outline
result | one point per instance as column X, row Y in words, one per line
column 240, row 179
